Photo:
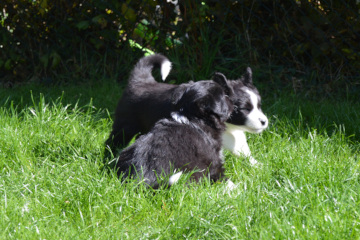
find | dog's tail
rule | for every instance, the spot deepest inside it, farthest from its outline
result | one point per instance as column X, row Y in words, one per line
column 143, row 68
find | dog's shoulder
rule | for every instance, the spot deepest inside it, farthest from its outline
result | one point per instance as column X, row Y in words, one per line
column 169, row 127
column 197, row 133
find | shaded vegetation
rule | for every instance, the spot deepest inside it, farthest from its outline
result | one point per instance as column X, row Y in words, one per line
column 303, row 44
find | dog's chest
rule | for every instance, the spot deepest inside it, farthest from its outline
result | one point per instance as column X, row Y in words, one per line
column 234, row 139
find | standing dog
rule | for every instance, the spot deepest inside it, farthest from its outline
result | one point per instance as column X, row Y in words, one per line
column 188, row 140
column 145, row 101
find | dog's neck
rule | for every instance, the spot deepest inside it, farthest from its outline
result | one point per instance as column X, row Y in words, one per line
column 211, row 127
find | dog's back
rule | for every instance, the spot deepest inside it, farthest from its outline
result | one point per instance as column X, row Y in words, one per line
column 190, row 140
column 144, row 101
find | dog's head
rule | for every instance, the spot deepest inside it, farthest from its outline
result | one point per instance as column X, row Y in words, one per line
column 246, row 99
column 204, row 100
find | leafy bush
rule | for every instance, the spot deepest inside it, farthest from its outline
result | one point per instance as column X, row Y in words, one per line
column 297, row 38
column 43, row 38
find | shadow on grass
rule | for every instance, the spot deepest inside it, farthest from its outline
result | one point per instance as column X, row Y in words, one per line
column 102, row 95
column 324, row 114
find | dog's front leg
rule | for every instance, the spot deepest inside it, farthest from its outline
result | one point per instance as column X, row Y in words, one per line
column 235, row 141
column 230, row 186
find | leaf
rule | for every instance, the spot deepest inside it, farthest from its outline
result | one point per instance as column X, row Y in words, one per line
column 44, row 59
column 55, row 59
column 43, row 7
column 346, row 50
column 8, row 64
column 128, row 12
column 97, row 43
column 83, row 25
column 100, row 20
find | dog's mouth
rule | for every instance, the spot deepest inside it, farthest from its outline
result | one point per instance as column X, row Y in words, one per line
column 256, row 130
column 245, row 128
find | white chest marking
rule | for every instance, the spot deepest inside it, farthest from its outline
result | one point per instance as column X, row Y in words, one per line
column 234, row 140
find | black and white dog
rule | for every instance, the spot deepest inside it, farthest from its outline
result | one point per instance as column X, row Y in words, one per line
column 247, row 115
column 189, row 139
column 145, row 101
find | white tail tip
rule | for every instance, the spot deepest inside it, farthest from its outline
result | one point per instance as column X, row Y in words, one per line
column 165, row 69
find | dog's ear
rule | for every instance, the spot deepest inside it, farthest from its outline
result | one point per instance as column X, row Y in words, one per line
column 223, row 82
column 207, row 107
column 203, row 104
column 247, row 77
column 178, row 93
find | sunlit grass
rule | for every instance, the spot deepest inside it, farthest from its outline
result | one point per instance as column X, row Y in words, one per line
column 53, row 184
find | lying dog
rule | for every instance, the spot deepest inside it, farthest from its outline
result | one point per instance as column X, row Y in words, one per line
column 145, row 101
column 188, row 140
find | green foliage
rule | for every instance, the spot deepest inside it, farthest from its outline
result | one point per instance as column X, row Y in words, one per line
column 315, row 41
column 42, row 39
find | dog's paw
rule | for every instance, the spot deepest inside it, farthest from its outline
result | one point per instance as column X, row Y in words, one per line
column 174, row 178
column 230, row 186
column 254, row 163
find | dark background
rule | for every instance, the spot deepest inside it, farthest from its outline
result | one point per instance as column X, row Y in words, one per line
column 307, row 46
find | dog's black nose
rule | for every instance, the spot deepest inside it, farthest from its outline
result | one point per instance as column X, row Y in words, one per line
column 262, row 121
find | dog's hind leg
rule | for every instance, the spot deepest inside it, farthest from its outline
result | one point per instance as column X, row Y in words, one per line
column 120, row 137
column 235, row 141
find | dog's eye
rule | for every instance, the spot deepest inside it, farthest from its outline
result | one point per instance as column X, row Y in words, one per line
column 246, row 109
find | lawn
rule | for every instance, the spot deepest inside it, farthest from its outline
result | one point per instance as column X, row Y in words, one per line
column 53, row 183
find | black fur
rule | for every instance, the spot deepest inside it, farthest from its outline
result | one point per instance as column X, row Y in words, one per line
column 193, row 143
column 240, row 99
column 145, row 101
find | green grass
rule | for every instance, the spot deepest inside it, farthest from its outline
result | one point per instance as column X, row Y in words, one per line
column 53, row 184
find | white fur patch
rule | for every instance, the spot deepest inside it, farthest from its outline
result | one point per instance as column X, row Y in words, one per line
column 179, row 118
column 230, row 186
column 221, row 156
column 165, row 69
column 234, row 139
column 174, row 178
column 256, row 121
column 253, row 161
